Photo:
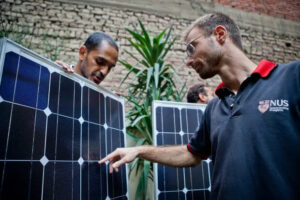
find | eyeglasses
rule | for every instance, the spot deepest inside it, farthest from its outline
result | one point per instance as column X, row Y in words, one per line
column 190, row 49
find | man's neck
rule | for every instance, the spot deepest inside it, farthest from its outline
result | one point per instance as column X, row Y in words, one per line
column 77, row 69
column 235, row 69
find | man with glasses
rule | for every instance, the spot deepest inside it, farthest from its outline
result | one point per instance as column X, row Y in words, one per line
column 251, row 131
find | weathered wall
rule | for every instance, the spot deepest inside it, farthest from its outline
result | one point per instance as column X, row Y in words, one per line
column 263, row 36
column 286, row 9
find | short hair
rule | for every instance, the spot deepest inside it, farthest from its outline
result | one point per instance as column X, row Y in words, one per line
column 209, row 22
column 94, row 41
column 194, row 91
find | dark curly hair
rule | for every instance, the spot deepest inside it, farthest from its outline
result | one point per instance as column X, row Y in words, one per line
column 194, row 91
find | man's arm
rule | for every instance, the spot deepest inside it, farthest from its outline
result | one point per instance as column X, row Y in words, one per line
column 175, row 156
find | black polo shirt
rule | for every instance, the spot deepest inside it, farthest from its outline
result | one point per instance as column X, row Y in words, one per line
column 253, row 137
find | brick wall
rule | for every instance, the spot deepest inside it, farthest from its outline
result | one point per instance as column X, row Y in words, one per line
column 286, row 9
column 74, row 21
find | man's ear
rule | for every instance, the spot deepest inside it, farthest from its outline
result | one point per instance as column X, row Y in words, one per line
column 221, row 34
column 82, row 52
column 202, row 98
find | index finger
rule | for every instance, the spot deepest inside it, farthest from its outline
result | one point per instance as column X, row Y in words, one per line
column 108, row 157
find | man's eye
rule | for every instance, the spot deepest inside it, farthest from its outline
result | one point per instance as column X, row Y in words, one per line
column 100, row 62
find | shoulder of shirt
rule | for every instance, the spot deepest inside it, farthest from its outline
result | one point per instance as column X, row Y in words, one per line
column 291, row 66
column 288, row 70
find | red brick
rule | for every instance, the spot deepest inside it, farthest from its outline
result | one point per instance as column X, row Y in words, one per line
column 288, row 9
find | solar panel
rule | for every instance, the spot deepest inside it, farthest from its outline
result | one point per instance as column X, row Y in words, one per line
column 173, row 124
column 54, row 127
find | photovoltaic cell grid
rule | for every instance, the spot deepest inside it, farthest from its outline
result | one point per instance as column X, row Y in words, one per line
column 54, row 128
column 173, row 124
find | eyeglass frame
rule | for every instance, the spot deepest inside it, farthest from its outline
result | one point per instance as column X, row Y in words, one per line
column 193, row 47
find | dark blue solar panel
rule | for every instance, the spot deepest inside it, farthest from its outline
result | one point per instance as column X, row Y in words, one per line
column 63, row 138
column 117, row 185
column 114, row 141
column 120, row 198
column 30, row 85
column 188, row 125
column 171, row 195
column 169, row 178
column 62, row 181
column 168, row 119
column 53, row 131
column 114, row 113
column 27, row 82
column 43, row 88
column 94, row 185
column 66, row 97
column 93, row 141
column 210, row 164
column 77, row 99
column 8, row 79
column 54, row 91
column 95, row 105
column 20, row 174
column 197, row 177
column 199, row 195
column 4, row 127
column 1, row 175
column 174, row 125
column 25, row 134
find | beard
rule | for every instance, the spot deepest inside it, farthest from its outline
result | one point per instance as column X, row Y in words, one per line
column 206, row 68
column 83, row 68
column 210, row 64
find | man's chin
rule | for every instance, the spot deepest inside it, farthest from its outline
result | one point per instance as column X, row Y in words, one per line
column 206, row 75
column 95, row 80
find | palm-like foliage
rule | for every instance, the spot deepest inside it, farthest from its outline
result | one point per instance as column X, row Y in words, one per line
column 153, row 80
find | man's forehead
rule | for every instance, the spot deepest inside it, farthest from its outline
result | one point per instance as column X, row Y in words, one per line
column 195, row 32
column 106, row 49
column 105, row 45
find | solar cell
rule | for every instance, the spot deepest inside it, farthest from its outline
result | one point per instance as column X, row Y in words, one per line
column 173, row 124
column 54, row 128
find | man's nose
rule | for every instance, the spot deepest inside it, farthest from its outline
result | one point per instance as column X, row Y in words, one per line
column 105, row 70
column 189, row 62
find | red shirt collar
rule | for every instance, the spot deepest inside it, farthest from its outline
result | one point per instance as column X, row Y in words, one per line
column 263, row 69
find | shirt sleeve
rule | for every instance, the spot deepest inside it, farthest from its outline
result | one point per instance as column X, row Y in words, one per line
column 199, row 143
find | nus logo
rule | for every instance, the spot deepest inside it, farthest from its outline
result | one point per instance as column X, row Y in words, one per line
column 278, row 105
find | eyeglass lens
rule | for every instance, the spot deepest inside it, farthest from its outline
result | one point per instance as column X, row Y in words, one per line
column 190, row 50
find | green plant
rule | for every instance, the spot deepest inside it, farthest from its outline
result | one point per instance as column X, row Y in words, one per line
column 153, row 80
